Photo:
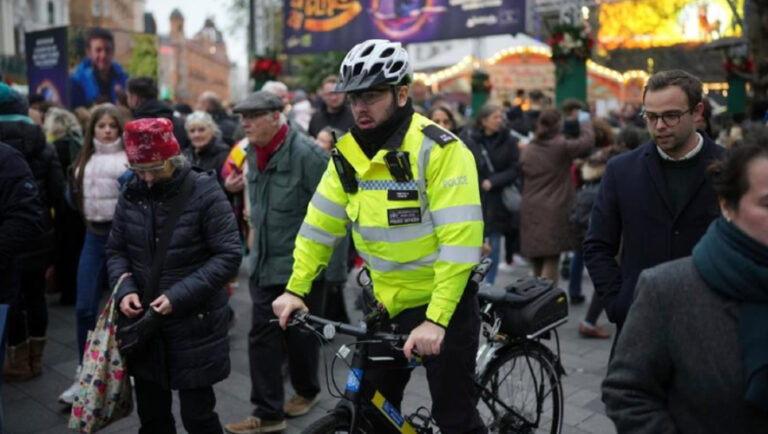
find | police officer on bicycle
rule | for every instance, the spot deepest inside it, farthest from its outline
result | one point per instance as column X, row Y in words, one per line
column 410, row 190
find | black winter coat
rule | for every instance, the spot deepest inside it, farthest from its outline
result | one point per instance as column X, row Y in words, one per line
column 211, row 157
column 342, row 120
column 578, row 219
column 157, row 109
column 191, row 350
column 46, row 168
column 504, row 155
column 20, row 216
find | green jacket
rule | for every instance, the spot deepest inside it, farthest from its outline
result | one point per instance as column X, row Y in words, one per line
column 279, row 198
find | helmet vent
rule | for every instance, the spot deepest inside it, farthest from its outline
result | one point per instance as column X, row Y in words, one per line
column 367, row 50
column 358, row 68
column 387, row 53
column 375, row 69
column 396, row 66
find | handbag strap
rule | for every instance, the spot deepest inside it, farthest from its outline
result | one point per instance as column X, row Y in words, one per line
column 487, row 158
column 177, row 206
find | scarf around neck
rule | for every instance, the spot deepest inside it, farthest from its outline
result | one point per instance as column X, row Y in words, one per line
column 263, row 154
column 735, row 266
column 371, row 140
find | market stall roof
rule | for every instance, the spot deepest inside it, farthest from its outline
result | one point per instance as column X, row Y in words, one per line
column 429, row 56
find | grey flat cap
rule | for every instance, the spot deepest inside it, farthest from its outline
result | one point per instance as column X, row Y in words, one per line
column 261, row 100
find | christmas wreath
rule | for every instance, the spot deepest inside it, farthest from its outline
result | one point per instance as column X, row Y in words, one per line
column 265, row 68
column 571, row 40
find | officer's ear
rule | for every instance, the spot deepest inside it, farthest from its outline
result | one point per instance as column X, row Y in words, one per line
column 402, row 95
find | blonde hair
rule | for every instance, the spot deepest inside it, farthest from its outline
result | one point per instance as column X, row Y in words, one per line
column 60, row 122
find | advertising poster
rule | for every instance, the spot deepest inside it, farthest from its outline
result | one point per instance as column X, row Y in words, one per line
column 323, row 25
column 47, row 64
column 651, row 23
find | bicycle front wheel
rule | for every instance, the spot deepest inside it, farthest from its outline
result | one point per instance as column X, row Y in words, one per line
column 521, row 392
column 337, row 423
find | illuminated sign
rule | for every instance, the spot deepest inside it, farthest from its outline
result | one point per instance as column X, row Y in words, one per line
column 654, row 23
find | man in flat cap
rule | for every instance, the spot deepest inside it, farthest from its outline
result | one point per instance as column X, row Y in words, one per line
column 284, row 168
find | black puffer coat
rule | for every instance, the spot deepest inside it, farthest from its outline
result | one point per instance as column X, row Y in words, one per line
column 20, row 212
column 46, row 168
column 191, row 350
column 504, row 155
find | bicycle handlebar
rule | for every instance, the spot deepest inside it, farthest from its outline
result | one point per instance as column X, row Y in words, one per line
column 359, row 332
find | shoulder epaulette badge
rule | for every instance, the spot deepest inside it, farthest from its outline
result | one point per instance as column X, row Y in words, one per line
column 439, row 135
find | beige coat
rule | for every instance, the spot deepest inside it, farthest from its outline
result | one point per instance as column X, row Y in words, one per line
column 548, row 192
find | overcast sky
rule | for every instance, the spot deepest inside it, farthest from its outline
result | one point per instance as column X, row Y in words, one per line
column 195, row 14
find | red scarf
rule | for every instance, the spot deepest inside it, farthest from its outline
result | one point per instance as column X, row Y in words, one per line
column 264, row 154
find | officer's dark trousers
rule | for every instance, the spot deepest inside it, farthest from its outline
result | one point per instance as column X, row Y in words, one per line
column 450, row 374
column 267, row 347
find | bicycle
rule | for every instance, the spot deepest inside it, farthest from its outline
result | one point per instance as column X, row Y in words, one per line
column 508, row 361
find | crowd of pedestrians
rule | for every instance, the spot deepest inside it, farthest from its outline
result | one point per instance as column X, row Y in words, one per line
column 174, row 197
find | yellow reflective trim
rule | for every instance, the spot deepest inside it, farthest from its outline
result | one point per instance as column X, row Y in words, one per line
column 386, row 409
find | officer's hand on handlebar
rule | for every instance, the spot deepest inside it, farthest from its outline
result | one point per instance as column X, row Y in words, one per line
column 285, row 305
column 427, row 339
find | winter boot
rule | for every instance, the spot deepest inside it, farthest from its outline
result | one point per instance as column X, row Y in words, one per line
column 16, row 366
column 36, row 346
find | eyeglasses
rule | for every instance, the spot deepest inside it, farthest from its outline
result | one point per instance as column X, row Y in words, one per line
column 147, row 169
column 670, row 118
column 368, row 97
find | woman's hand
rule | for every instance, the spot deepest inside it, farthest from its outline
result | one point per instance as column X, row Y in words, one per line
column 486, row 185
column 130, row 305
column 162, row 305
column 487, row 247
column 235, row 182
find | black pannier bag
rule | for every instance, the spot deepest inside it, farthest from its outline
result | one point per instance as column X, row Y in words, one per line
column 530, row 305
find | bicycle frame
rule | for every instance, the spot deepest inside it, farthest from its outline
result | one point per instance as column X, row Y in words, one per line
column 358, row 396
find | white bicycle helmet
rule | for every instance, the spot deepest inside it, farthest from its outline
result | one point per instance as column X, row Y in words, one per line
column 374, row 62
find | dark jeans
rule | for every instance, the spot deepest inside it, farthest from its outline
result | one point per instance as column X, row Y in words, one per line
column 494, row 239
column 577, row 272
column 91, row 280
column 268, row 345
column 451, row 374
column 28, row 314
column 153, row 404
column 574, row 287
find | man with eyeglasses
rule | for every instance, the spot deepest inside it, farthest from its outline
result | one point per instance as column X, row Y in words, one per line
column 409, row 190
column 655, row 202
column 284, row 168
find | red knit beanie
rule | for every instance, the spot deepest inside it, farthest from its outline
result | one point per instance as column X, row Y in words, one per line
column 150, row 140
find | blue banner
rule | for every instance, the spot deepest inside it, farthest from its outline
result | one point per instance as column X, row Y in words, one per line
column 323, row 25
column 47, row 67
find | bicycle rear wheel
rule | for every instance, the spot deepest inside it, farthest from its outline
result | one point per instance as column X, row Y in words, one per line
column 521, row 392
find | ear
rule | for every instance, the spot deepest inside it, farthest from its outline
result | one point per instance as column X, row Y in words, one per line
column 699, row 109
column 725, row 209
column 402, row 96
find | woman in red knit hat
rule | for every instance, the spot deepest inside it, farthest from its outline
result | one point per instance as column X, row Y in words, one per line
column 174, row 231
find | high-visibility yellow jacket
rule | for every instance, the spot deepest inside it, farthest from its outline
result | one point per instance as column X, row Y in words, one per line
column 419, row 247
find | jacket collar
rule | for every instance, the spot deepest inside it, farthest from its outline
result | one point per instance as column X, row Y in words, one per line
column 357, row 158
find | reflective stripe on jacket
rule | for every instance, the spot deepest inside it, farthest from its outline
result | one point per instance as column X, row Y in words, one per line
column 420, row 250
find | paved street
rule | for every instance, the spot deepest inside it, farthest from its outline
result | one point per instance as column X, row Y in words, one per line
column 31, row 407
